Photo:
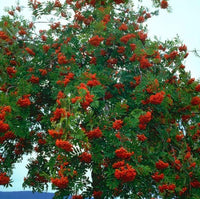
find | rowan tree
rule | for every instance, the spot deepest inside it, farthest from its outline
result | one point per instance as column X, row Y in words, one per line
column 107, row 111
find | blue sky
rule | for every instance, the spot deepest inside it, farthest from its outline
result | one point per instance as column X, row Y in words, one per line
column 182, row 21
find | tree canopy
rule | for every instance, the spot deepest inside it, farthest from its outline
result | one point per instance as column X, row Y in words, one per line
column 107, row 111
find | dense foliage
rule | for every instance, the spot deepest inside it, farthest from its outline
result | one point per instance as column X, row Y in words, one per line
column 106, row 111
